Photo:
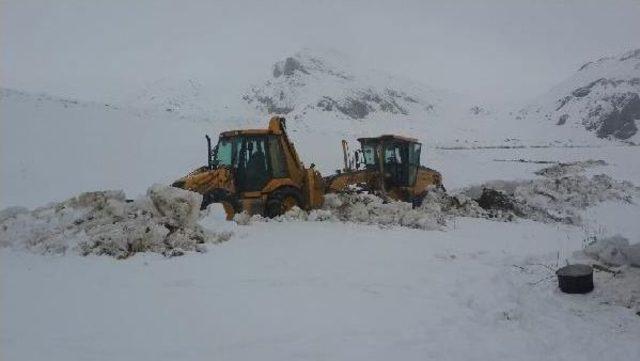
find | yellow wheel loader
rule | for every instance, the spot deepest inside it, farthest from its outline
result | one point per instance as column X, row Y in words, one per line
column 388, row 165
column 257, row 171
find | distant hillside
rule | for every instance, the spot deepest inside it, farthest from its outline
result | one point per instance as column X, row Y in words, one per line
column 602, row 97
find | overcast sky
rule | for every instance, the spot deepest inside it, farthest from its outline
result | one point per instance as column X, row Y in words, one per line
column 496, row 50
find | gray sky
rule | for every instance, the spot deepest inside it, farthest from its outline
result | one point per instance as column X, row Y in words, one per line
column 496, row 50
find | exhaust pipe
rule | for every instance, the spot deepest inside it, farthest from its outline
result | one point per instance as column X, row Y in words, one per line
column 209, row 160
column 345, row 150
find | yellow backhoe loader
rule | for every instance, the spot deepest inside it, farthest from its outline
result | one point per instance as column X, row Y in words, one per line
column 388, row 165
column 257, row 171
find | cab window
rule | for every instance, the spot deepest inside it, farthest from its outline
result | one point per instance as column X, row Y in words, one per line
column 414, row 162
column 224, row 152
column 369, row 154
column 414, row 154
column 252, row 164
column 278, row 163
column 393, row 154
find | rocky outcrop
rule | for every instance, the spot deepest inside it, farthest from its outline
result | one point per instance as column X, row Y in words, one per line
column 620, row 121
column 288, row 67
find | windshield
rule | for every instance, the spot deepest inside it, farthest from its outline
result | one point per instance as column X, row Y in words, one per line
column 400, row 159
column 254, row 158
column 223, row 152
column 369, row 154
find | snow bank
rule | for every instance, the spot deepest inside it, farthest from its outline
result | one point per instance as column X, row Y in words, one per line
column 370, row 209
column 559, row 196
column 614, row 251
column 106, row 223
column 562, row 169
column 618, row 281
column 166, row 219
column 436, row 210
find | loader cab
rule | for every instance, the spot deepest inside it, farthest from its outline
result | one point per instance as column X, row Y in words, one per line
column 398, row 157
column 254, row 158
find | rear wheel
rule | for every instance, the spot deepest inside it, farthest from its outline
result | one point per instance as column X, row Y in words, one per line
column 416, row 202
column 281, row 201
column 220, row 196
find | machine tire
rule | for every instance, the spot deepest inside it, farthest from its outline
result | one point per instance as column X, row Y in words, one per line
column 220, row 196
column 282, row 200
column 417, row 200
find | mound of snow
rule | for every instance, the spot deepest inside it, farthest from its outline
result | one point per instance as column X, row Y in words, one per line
column 559, row 196
column 558, row 199
column 562, row 169
column 106, row 223
column 619, row 282
column 370, row 209
column 614, row 251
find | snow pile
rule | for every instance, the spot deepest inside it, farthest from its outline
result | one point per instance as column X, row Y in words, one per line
column 614, row 251
column 622, row 287
column 618, row 282
column 437, row 207
column 562, row 169
column 558, row 197
column 370, row 209
column 105, row 223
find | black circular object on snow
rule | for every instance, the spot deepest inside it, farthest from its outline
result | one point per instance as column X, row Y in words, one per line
column 575, row 278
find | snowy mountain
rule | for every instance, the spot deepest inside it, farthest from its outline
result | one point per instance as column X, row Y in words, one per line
column 309, row 83
column 603, row 97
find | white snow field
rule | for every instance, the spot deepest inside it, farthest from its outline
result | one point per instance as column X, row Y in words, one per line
column 315, row 290
column 468, row 289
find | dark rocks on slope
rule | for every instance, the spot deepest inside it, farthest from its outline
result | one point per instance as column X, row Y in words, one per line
column 562, row 102
column 563, row 119
column 632, row 54
column 270, row 105
column 288, row 68
column 360, row 106
column 621, row 122
column 585, row 90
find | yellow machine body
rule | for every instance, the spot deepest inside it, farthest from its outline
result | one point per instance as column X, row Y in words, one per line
column 240, row 184
column 388, row 165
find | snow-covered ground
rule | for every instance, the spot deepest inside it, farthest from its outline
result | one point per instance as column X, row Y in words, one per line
column 478, row 289
column 311, row 290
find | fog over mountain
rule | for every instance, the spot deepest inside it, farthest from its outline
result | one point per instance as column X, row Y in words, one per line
column 494, row 50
